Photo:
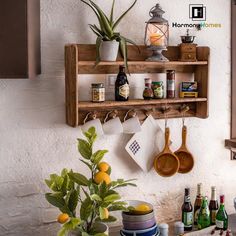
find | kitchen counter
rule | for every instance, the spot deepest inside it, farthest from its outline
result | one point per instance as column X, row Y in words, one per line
column 114, row 231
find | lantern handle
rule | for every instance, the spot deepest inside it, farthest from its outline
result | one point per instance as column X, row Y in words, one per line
column 150, row 12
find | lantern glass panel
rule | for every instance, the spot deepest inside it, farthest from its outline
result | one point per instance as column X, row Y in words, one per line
column 157, row 34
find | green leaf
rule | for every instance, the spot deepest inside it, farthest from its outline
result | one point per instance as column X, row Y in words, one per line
column 85, row 234
column 98, row 156
column 104, row 20
column 121, row 17
column 56, row 199
column 133, row 43
column 64, row 173
column 92, row 130
column 79, row 179
column 73, row 200
column 65, row 209
column 103, row 189
column 112, row 12
column 98, row 45
column 95, row 31
column 117, row 208
column 109, row 219
column 112, row 198
column 85, row 149
column 95, row 197
column 109, row 171
column 86, row 209
column 100, row 234
column 71, row 225
column 87, row 164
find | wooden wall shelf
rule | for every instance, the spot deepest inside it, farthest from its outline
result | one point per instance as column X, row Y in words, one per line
column 80, row 59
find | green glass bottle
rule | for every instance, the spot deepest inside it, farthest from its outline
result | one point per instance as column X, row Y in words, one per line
column 221, row 216
column 204, row 220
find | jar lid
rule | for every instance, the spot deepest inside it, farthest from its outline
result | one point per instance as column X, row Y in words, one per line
column 179, row 224
column 157, row 82
column 98, row 85
column 163, row 226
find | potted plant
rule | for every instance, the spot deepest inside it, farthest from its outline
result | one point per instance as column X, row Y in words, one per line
column 108, row 40
column 95, row 197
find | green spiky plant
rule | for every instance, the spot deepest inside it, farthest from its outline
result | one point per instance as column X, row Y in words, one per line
column 106, row 30
column 94, row 201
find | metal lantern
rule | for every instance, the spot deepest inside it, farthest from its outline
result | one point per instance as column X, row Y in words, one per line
column 157, row 34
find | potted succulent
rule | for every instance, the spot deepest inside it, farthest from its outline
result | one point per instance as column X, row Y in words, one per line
column 108, row 40
column 94, row 197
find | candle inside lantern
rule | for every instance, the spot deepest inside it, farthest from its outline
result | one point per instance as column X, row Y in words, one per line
column 157, row 39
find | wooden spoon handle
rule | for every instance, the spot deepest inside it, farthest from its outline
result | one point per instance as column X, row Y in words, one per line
column 167, row 138
column 184, row 135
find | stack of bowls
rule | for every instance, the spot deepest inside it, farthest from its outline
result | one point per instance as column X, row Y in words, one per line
column 139, row 223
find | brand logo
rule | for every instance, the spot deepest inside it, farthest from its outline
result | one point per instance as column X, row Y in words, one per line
column 197, row 12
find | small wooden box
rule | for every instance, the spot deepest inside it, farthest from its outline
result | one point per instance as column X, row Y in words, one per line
column 188, row 52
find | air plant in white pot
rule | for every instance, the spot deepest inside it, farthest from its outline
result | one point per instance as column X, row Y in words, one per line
column 108, row 40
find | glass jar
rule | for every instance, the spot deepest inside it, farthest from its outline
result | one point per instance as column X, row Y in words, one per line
column 148, row 93
column 158, row 89
column 170, row 76
column 98, row 92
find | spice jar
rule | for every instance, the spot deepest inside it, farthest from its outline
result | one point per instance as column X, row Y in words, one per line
column 158, row 89
column 148, row 93
column 98, row 92
column 170, row 75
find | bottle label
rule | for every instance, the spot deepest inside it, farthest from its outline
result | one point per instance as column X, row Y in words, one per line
column 187, row 198
column 124, row 91
column 188, row 219
column 170, row 85
column 213, row 216
column 196, row 215
column 219, row 224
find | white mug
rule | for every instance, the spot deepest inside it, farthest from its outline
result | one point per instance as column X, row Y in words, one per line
column 112, row 126
column 96, row 123
column 131, row 125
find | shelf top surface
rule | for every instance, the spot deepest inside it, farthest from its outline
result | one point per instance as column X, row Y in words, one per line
column 138, row 102
column 144, row 63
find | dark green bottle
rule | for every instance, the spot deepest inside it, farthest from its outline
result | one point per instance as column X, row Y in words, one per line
column 204, row 219
column 187, row 211
column 221, row 216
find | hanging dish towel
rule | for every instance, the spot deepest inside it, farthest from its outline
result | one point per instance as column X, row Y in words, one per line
column 145, row 145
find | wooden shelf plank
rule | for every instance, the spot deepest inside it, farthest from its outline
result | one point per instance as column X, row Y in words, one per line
column 138, row 102
column 230, row 143
column 143, row 63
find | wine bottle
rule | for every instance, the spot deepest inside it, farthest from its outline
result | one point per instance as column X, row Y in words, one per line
column 122, row 86
column 198, row 202
column 204, row 220
column 221, row 216
column 213, row 206
column 187, row 211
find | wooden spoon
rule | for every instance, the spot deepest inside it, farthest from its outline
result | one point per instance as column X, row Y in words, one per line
column 185, row 157
column 166, row 163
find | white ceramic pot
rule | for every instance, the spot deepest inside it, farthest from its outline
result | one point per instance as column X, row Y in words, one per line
column 109, row 50
column 100, row 228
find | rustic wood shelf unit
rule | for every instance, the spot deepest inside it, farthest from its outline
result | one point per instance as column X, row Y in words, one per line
column 80, row 59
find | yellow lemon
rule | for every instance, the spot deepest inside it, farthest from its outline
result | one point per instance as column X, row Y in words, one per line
column 102, row 176
column 143, row 208
column 106, row 213
column 103, row 166
column 63, row 218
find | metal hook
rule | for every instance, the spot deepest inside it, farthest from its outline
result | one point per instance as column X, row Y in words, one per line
column 86, row 117
column 183, row 110
column 110, row 112
column 127, row 113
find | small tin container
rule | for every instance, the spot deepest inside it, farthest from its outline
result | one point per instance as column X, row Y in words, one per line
column 158, row 89
column 98, row 92
column 179, row 228
column 164, row 229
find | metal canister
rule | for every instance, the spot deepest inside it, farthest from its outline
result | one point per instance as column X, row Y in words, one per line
column 158, row 89
column 170, row 83
column 98, row 92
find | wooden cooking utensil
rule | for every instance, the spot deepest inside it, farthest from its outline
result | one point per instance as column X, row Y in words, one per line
column 166, row 163
column 185, row 157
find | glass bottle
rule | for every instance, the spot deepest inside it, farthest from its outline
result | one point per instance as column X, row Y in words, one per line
column 187, row 211
column 213, row 206
column 122, row 86
column 204, row 215
column 198, row 202
column 148, row 93
column 221, row 216
column 170, row 76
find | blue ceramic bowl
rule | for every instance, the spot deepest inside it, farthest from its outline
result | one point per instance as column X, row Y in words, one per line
column 153, row 231
column 139, row 225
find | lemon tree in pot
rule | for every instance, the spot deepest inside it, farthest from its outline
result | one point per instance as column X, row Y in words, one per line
column 94, row 198
column 108, row 40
